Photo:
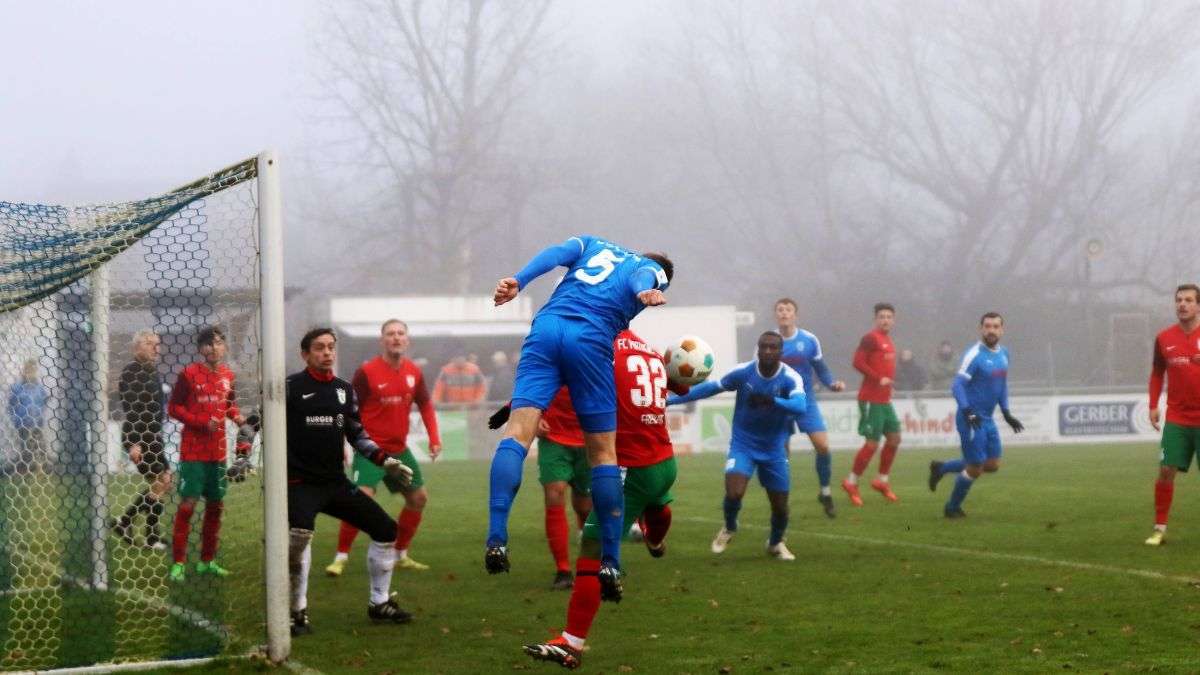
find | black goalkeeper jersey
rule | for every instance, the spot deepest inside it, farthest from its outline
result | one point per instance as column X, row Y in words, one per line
column 143, row 402
column 321, row 416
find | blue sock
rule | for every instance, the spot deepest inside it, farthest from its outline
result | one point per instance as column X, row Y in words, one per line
column 505, row 481
column 962, row 485
column 731, row 507
column 778, row 527
column 952, row 466
column 824, row 468
column 608, row 503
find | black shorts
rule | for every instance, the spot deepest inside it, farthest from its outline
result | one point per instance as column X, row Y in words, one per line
column 342, row 500
column 154, row 460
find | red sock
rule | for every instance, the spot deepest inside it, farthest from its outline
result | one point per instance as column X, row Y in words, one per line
column 406, row 527
column 346, row 535
column 1163, row 492
column 656, row 523
column 211, row 530
column 556, row 536
column 887, row 457
column 863, row 458
column 585, row 597
column 183, row 525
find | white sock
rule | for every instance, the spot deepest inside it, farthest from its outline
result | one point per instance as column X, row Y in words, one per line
column 826, row 491
column 381, row 557
column 1161, row 528
column 300, row 587
column 341, row 556
column 883, row 478
column 576, row 642
column 966, row 475
column 852, row 478
column 401, row 553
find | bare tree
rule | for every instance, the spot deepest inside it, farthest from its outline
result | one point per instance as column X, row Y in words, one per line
column 430, row 94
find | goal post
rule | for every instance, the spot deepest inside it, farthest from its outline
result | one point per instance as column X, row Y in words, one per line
column 100, row 310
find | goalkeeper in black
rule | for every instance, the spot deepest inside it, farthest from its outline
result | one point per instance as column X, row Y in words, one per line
column 322, row 415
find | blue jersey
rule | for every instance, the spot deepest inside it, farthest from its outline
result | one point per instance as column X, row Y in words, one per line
column 763, row 428
column 982, row 380
column 802, row 351
column 601, row 283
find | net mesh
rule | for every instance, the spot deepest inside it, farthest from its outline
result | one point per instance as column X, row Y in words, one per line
column 85, row 293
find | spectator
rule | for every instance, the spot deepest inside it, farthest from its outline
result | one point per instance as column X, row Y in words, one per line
column 502, row 378
column 27, row 410
column 910, row 376
column 944, row 368
column 460, row 381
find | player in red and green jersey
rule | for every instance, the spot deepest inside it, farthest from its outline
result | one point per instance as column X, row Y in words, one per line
column 875, row 358
column 387, row 387
column 1176, row 357
column 644, row 450
column 562, row 462
column 202, row 399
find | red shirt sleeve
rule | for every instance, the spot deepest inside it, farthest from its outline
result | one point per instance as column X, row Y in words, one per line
column 425, row 406
column 362, row 387
column 862, row 359
column 181, row 396
column 1157, row 372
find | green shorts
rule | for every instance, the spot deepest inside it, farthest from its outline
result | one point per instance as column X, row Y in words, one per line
column 558, row 463
column 365, row 473
column 202, row 479
column 645, row 486
column 1179, row 444
column 877, row 419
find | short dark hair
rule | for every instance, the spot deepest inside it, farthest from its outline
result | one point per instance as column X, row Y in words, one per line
column 771, row 334
column 663, row 262
column 786, row 301
column 991, row 315
column 209, row 335
column 383, row 328
column 306, row 341
column 880, row 306
column 1189, row 287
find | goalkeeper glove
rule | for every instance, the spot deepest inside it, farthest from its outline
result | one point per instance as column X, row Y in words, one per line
column 500, row 417
column 396, row 475
column 973, row 418
column 1013, row 422
column 239, row 470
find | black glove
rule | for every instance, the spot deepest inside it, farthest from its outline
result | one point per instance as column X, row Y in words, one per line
column 1013, row 422
column 500, row 417
column 761, row 400
column 973, row 418
column 239, row 470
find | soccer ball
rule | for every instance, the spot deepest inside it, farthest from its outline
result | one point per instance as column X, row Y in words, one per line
column 689, row 361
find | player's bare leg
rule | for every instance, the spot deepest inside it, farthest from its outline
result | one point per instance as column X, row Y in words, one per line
column 506, row 481
column 735, row 490
column 1164, row 492
column 822, row 458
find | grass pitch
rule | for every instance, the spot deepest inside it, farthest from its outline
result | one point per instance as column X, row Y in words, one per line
column 1047, row 573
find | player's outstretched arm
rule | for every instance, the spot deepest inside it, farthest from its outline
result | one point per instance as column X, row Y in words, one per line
column 702, row 390
column 564, row 254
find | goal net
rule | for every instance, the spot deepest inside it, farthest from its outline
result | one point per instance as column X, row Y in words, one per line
column 87, row 535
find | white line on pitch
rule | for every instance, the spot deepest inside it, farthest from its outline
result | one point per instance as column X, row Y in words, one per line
column 975, row 553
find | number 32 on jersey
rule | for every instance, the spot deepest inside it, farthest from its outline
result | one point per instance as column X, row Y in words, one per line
column 650, row 381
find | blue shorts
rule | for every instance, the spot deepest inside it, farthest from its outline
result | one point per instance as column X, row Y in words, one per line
column 773, row 473
column 558, row 351
column 978, row 445
column 811, row 422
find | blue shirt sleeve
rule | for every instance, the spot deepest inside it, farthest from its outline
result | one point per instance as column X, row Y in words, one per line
column 702, row 390
column 565, row 253
column 644, row 279
column 959, row 389
column 796, row 403
column 823, row 373
column 1004, row 385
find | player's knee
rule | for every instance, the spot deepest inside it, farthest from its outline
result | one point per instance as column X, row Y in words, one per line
column 556, row 493
column 991, row 467
column 1166, row 473
column 974, row 471
column 416, row 499
column 298, row 540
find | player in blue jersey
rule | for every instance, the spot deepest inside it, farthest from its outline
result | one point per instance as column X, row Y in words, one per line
column 571, row 343
column 802, row 351
column 769, row 395
column 980, row 385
